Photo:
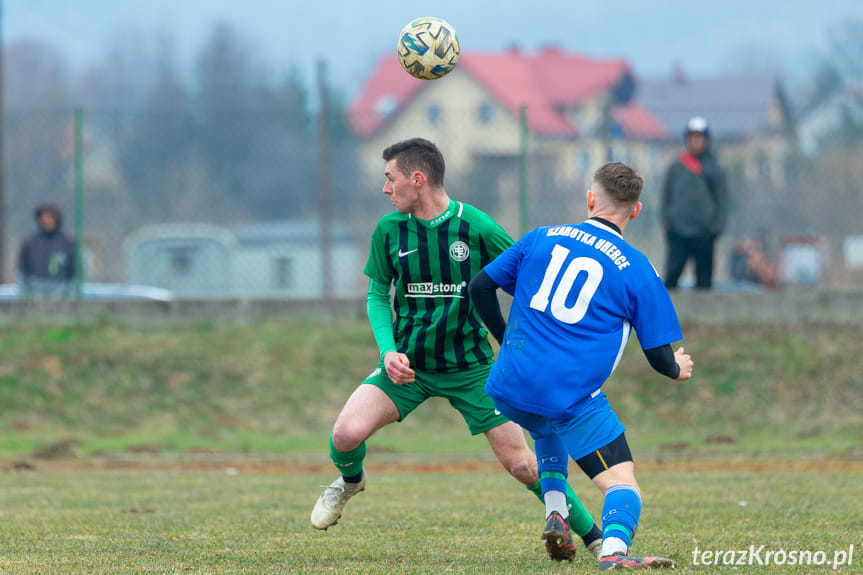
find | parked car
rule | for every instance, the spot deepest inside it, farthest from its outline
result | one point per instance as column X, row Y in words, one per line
column 104, row 292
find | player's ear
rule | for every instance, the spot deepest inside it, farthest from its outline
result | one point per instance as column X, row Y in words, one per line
column 590, row 196
column 635, row 210
column 418, row 178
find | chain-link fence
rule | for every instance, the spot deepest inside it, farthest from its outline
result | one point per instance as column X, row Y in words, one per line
column 242, row 203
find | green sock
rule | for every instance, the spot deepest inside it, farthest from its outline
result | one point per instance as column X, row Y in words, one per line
column 349, row 463
column 580, row 521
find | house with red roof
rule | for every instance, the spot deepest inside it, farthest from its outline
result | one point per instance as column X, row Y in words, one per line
column 579, row 112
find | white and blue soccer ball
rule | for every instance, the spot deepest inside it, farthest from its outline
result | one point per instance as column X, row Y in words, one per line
column 428, row 48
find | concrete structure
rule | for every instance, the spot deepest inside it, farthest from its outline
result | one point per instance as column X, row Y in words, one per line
column 260, row 260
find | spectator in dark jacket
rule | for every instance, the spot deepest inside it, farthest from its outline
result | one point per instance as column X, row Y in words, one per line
column 694, row 207
column 46, row 262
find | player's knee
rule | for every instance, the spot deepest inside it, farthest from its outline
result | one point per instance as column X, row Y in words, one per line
column 522, row 470
column 616, row 476
column 347, row 437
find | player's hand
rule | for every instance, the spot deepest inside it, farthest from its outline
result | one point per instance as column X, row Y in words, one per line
column 398, row 367
column 684, row 362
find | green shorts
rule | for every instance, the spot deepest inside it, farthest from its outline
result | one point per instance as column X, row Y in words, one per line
column 465, row 391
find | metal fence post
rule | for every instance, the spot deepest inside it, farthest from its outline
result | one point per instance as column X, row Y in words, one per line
column 79, row 202
column 524, row 217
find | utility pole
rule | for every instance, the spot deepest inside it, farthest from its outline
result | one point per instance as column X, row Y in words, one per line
column 2, row 155
column 524, row 138
column 79, row 202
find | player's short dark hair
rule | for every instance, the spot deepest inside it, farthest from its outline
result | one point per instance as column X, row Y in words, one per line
column 621, row 183
column 418, row 154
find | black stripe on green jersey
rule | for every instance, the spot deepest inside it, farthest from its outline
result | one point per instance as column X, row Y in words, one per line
column 405, row 326
column 483, row 352
column 425, row 275
column 485, row 256
column 387, row 248
column 394, row 273
column 466, row 313
column 446, row 277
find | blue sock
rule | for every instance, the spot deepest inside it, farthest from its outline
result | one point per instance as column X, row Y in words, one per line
column 552, row 461
column 621, row 511
column 551, row 455
column 552, row 481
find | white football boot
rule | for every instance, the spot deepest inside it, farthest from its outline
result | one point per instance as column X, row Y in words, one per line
column 328, row 508
column 595, row 548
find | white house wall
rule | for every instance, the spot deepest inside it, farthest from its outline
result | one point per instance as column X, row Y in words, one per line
column 459, row 133
column 254, row 271
column 149, row 262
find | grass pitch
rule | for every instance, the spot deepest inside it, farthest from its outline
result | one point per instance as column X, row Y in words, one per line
column 232, row 521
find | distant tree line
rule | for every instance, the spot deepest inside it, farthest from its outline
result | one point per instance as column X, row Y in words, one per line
column 821, row 194
column 225, row 142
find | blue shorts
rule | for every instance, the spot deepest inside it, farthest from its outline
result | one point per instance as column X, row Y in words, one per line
column 594, row 427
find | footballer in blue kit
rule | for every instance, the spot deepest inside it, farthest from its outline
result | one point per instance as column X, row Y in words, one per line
column 578, row 292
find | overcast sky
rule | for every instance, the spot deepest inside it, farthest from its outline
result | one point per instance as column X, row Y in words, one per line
column 748, row 35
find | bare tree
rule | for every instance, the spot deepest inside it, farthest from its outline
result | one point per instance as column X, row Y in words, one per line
column 254, row 133
column 38, row 120
column 846, row 49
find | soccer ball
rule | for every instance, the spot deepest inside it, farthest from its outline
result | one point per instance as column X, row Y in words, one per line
column 428, row 48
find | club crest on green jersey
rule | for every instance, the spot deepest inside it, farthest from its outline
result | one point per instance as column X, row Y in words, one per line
column 459, row 251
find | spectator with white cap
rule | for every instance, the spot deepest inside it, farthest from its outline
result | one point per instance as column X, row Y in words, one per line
column 694, row 207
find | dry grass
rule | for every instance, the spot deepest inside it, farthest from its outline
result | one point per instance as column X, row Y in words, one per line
column 231, row 521
column 276, row 387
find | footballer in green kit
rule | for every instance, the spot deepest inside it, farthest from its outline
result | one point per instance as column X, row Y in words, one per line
column 432, row 342
column 430, row 263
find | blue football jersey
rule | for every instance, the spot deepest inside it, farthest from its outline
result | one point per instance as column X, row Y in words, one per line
column 578, row 290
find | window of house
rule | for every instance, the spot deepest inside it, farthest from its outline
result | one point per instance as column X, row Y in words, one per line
column 386, row 105
column 181, row 261
column 484, row 113
column 283, row 272
column 434, row 115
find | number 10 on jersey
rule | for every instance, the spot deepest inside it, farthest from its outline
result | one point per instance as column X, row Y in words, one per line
column 574, row 314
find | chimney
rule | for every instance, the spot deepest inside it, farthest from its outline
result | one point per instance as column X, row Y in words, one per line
column 677, row 73
column 551, row 50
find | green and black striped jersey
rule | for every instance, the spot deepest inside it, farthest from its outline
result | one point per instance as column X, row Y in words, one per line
column 430, row 264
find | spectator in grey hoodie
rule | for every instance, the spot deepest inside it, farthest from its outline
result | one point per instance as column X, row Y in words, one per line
column 46, row 262
column 694, row 207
